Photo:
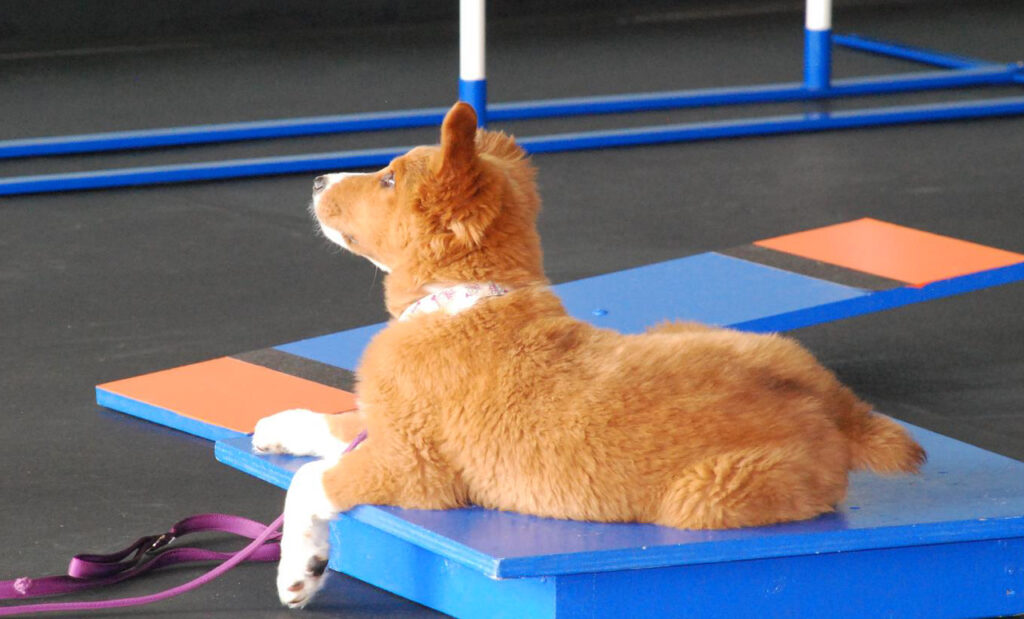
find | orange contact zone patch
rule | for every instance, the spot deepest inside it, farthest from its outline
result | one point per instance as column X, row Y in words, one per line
column 895, row 252
column 230, row 393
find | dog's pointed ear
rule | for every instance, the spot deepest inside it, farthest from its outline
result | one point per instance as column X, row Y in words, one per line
column 464, row 198
column 458, row 140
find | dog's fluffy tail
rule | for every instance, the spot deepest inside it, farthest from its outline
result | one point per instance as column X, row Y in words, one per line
column 879, row 444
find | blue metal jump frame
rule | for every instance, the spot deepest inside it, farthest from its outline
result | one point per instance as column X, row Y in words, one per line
column 956, row 72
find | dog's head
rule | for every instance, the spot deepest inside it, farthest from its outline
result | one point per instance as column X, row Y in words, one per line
column 462, row 211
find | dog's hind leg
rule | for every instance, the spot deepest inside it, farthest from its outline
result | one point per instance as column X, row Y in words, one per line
column 305, row 546
column 753, row 487
column 321, row 490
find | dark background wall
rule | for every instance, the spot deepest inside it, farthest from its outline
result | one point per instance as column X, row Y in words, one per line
column 54, row 24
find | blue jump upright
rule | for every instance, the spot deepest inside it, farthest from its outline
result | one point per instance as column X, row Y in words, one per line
column 473, row 57
column 818, row 45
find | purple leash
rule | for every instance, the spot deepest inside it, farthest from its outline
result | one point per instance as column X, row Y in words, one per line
column 88, row 571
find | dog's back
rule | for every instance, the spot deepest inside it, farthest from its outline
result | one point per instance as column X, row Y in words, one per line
column 686, row 425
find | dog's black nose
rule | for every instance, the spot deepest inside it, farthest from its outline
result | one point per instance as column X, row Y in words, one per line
column 319, row 183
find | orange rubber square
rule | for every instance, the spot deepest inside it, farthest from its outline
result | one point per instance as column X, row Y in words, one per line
column 229, row 393
column 896, row 252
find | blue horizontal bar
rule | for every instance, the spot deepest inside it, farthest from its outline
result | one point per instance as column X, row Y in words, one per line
column 907, row 52
column 183, row 173
column 203, row 134
column 771, row 93
column 818, row 121
column 228, row 132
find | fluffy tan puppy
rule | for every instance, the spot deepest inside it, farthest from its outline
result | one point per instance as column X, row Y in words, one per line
column 483, row 390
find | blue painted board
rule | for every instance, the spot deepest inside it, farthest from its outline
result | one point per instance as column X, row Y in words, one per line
column 964, row 579
column 884, row 300
column 341, row 349
column 963, row 494
column 710, row 288
column 968, row 579
column 415, row 573
column 947, row 543
column 707, row 287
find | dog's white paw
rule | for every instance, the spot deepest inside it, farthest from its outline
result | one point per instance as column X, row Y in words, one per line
column 297, row 583
column 299, row 432
column 305, row 545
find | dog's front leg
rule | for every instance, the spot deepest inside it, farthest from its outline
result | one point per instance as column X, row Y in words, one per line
column 302, row 432
column 319, row 491
column 304, row 544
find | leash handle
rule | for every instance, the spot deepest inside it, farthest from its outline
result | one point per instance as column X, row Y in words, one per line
column 270, row 533
column 88, row 571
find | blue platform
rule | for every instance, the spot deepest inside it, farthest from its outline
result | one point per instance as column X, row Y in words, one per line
column 709, row 287
column 947, row 543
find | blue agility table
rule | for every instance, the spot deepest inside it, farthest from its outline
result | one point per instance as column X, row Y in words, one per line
column 946, row 543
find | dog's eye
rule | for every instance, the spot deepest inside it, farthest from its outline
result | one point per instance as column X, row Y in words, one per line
column 388, row 180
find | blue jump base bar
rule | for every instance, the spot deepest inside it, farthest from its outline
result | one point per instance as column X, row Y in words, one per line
column 688, row 132
column 983, row 75
column 956, row 72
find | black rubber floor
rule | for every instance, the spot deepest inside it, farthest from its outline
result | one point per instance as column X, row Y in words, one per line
column 103, row 285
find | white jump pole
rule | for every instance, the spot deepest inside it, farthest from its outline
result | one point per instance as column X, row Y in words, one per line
column 818, row 45
column 472, row 56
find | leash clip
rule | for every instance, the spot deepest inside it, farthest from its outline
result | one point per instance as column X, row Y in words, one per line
column 159, row 542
